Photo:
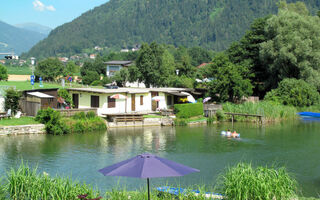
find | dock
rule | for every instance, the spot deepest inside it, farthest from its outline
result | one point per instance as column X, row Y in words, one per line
column 260, row 117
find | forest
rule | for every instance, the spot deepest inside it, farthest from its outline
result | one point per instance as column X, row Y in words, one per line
column 211, row 24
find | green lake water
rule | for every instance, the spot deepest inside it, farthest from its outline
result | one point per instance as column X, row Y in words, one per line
column 295, row 145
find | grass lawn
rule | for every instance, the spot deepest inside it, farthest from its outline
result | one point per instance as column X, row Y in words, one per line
column 26, row 85
column 152, row 116
column 19, row 70
column 20, row 121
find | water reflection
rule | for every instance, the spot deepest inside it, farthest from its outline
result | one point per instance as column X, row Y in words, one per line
column 293, row 144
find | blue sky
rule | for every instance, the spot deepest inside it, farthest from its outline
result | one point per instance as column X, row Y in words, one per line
column 51, row 13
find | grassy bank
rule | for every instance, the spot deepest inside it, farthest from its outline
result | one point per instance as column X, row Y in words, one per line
column 20, row 121
column 239, row 182
column 270, row 110
column 184, row 122
column 26, row 85
column 19, row 70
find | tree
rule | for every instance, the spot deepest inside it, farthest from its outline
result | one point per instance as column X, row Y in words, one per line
column 49, row 69
column 231, row 82
column 71, row 69
column 89, row 77
column 11, row 101
column 155, row 64
column 294, row 92
column 3, row 73
column 293, row 50
column 66, row 96
column 199, row 55
column 183, row 63
column 121, row 77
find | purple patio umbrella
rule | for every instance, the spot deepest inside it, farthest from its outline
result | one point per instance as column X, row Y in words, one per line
column 147, row 166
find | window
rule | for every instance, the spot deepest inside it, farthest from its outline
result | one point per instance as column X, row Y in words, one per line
column 94, row 101
column 111, row 102
column 141, row 100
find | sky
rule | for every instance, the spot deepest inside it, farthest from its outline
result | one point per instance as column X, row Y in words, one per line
column 51, row 13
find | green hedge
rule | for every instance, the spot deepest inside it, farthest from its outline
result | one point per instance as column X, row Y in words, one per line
column 188, row 110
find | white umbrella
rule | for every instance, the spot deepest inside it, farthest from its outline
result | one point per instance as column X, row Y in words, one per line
column 189, row 97
column 158, row 98
column 206, row 99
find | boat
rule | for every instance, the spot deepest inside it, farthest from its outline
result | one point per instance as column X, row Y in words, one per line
column 309, row 114
column 177, row 191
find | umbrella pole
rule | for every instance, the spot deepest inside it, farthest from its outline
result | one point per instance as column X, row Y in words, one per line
column 148, row 189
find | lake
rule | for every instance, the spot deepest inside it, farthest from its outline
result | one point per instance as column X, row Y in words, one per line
column 295, row 145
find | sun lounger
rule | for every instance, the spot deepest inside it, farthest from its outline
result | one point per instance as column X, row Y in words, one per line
column 177, row 191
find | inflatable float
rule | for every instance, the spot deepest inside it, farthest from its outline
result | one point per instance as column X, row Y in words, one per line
column 229, row 134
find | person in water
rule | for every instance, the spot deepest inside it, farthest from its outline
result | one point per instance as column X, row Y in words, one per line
column 234, row 134
column 228, row 133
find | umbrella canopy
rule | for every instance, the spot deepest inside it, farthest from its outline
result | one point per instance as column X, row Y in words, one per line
column 158, row 98
column 118, row 96
column 189, row 97
column 206, row 99
column 147, row 166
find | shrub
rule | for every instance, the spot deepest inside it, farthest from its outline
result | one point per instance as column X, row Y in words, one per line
column 52, row 121
column 3, row 73
column 220, row 115
column 11, row 101
column 65, row 95
column 91, row 115
column 294, row 92
column 96, row 83
column 80, row 115
column 245, row 182
column 188, row 110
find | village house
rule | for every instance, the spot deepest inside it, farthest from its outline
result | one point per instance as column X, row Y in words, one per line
column 126, row 100
column 116, row 65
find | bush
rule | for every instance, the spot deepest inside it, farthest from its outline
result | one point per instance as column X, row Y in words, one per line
column 220, row 115
column 91, row 115
column 263, row 183
column 188, row 110
column 66, row 96
column 11, row 101
column 3, row 73
column 80, row 115
column 294, row 92
column 96, row 83
column 52, row 121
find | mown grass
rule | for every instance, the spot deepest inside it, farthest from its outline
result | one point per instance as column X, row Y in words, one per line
column 16, row 122
column 152, row 116
column 19, row 70
column 271, row 111
column 26, row 85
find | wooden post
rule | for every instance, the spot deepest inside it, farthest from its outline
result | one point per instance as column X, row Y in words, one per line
column 232, row 120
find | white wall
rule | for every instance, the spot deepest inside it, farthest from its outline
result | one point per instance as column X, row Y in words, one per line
column 2, row 104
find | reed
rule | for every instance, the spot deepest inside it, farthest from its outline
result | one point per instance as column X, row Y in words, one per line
column 26, row 183
column 245, row 182
column 270, row 110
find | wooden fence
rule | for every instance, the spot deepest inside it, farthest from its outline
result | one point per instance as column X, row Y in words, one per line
column 211, row 109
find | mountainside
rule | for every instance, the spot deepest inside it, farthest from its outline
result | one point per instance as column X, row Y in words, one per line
column 16, row 39
column 212, row 24
column 35, row 27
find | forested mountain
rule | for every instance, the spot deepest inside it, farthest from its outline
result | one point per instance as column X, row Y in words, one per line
column 17, row 39
column 212, row 24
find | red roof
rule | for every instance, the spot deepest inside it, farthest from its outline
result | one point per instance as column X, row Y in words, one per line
column 203, row 64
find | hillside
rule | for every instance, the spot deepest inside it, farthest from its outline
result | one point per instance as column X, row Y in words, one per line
column 17, row 39
column 213, row 24
column 35, row 27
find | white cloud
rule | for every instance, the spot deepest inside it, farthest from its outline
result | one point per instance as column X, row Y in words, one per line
column 38, row 5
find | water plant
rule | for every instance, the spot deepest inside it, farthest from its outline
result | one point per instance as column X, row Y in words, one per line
column 26, row 183
column 243, row 182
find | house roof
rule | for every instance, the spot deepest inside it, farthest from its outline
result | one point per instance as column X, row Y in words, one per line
column 129, row 90
column 40, row 95
column 203, row 64
column 119, row 62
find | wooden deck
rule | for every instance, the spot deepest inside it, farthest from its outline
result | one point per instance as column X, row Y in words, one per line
column 260, row 117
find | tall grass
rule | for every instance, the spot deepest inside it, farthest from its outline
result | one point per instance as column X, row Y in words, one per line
column 81, row 123
column 25, row 183
column 245, row 182
column 270, row 110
